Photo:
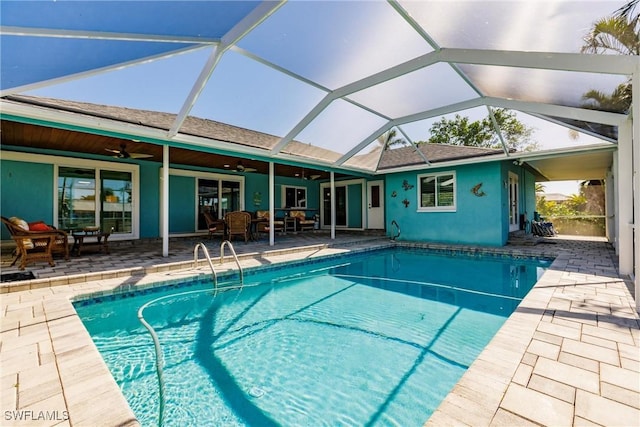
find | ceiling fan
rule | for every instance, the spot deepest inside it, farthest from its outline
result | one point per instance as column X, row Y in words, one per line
column 122, row 153
column 242, row 168
column 312, row 177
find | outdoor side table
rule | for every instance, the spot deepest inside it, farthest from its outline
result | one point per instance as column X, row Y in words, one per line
column 82, row 239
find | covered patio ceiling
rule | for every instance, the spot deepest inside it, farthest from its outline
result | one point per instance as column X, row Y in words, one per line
column 325, row 79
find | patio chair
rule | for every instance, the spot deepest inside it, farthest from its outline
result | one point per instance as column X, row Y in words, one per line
column 238, row 224
column 302, row 223
column 214, row 226
column 263, row 223
column 36, row 241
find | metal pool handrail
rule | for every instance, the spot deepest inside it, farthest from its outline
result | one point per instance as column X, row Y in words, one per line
column 159, row 362
column 235, row 257
column 398, row 227
column 206, row 254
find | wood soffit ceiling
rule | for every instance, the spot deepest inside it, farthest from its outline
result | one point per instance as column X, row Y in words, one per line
column 47, row 138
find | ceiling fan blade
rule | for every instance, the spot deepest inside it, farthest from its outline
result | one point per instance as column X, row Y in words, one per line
column 140, row 156
column 250, row 170
column 111, row 150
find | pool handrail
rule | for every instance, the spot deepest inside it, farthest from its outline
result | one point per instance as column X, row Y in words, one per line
column 206, row 254
column 398, row 227
column 235, row 257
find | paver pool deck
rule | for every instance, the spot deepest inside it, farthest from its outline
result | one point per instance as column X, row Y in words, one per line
column 569, row 354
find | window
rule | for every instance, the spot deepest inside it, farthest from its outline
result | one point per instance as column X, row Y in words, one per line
column 294, row 197
column 437, row 192
column 97, row 194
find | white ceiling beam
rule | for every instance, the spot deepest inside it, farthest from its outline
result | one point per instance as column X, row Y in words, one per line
column 102, row 35
column 235, row 34
column 575, row 113
column 368, row 140
column 381, row 77
column 572, row 127
column 96, row 71
column 311, row 115
column 608, row 64
column 415, row 147
column 498, row 131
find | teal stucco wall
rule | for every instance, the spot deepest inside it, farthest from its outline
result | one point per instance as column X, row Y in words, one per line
column 26, row 191
column 354, row 199
column 149, row 200
column 182, row 202
column 477, row 220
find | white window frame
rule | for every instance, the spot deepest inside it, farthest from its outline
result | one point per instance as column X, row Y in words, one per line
column 436, row 208
column 283, row 195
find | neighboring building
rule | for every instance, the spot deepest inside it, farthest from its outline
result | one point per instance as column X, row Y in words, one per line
column 554, row 197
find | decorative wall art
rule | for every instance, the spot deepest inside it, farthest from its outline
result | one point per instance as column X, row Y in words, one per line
column 394, row 193
column 406, row 202
column 406, row 185
column 476, row 190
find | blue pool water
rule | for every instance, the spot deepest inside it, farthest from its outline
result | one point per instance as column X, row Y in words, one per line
column 372, row 339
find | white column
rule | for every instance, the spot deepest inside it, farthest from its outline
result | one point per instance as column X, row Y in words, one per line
column 610, row 207
column 333, row 205
column 165, row 200
column 616, row 204
column 625, row 198
column 272, row 193
column 635, row 108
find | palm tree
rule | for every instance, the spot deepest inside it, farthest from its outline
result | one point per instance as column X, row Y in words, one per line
column 618, row 34
column 613, row 34
column 628, row 9
column 389, row 139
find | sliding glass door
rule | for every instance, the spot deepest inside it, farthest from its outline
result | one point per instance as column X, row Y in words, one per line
column 217, row 196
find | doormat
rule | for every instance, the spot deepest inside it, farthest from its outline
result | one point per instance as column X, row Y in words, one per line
column 15, row 277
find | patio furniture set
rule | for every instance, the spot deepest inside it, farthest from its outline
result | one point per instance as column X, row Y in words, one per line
column 250, row 225
column 38, row 241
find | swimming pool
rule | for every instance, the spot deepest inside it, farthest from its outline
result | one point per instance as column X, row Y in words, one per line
column 372, row 339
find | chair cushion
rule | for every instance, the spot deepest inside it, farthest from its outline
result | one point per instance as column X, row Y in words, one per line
column 39, row 226
column 19, row 222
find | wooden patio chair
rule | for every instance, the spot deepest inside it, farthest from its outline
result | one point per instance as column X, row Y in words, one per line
column 215, row 226
column 37, row 244
column 302, row 223
column 263, row 223
column 238, row 224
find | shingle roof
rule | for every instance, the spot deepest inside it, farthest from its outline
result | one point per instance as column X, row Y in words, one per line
column 408, row 156
column 391, row 158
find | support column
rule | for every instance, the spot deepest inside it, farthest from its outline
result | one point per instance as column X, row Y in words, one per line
column 610, row 199
column 165, row 200
column 635, row 108
column 333, row 205
column 272, row 193
column 625, row 198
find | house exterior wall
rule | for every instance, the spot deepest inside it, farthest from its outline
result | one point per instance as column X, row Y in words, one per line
column 354, row 198
column 478, row 219
column 149, row 200
column 26, row 191
column 182, row 203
